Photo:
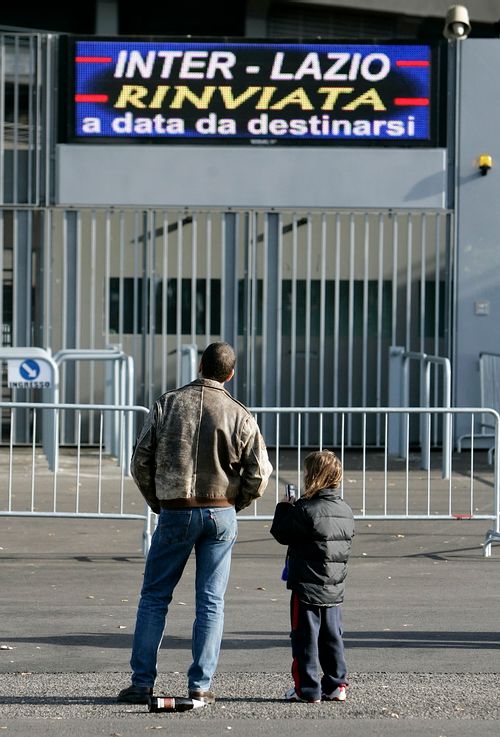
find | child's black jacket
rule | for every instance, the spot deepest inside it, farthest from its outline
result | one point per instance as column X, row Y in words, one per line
column 318, row 532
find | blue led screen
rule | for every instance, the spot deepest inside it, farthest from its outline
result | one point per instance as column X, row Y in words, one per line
column 260, row 93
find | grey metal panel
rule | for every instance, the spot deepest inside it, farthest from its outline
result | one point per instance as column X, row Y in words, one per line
column 477, row 218
column 241, row 176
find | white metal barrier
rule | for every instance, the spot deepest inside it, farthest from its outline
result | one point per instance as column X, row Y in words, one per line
column 88, row 482
column 379, row 485
column 399, row 396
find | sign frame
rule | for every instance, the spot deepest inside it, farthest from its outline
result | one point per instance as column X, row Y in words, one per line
column 437, row 113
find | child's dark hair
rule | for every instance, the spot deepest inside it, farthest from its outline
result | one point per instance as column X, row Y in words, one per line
column 322, row 470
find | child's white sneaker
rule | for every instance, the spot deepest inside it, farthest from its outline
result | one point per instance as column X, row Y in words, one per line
column 292, row 695
column 338, row 695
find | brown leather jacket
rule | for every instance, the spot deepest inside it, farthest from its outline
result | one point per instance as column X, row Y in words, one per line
column 200, row 446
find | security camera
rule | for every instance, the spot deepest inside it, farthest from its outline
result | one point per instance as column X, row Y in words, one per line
column 457, row 24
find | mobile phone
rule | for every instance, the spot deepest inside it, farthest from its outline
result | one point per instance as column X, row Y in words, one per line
column 290, row 492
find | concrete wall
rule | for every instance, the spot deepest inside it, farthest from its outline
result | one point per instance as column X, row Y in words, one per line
column 246, row 176
column 478, row 217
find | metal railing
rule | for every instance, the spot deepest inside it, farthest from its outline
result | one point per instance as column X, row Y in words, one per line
column 90, row 483
column 399, row 396
column 87, row 482
column 381, row 486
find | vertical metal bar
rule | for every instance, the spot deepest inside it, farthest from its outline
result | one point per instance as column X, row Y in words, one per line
column 386, row 450
column 121, row 272
column 78, row 457
column 11, row 454
column 380, row 298
column 423, row 272
column 271, row 327
column 394, row 316
column 350, row 319
column 78, row 299
column 364, row 466
column 37, row 73
column 194, row 274
column 437, row 284
column 223, row 272
column 471, row 507
column 151, row 331
column 92, row 321
column 178, row 337
column 322, row 312
column 277, row 461
column 407, row 464
column 138, row 280
column 265, row 312
column 308, row 316
column 247, row 301
column 31, row 122
column 21, row 295
column 47, row 280
column 321, row 430
column 336, row 322
column 122, row 464
column 364, row 363
column 37, row 120
column 253, row 328
column 447, row 452
column 64, row 316
column 208, row 284
column 437, row 298
column 99, row 466
column 293, row 326
column 107, row 275
column 47, row 106
column 22, row 276
column 33, row 461
column 15, row 130
column 299, row 452
column 164, row 306
column 229, row 308
column 342, row 451
column 409, row 270
column 428, row 440
column 56, row 454
column 279, row 310
column 423, row 367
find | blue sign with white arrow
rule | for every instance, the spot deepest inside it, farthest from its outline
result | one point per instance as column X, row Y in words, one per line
column 29, row 369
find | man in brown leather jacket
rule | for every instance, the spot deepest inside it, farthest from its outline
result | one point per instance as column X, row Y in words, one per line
column 199, row 459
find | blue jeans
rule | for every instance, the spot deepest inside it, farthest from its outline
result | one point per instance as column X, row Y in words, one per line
column 212, row 533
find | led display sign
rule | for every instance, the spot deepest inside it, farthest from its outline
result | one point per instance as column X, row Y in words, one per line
column 259, row 93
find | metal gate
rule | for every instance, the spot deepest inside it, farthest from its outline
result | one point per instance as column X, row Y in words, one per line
column 311, row 300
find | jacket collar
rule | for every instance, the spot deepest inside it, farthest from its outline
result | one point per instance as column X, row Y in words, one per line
column 208, row 382
column 328, row 493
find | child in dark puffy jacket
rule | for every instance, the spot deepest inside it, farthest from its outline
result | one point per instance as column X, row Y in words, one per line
column 318, row 529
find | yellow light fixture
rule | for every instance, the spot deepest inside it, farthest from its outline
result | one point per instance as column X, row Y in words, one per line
column 485, row 163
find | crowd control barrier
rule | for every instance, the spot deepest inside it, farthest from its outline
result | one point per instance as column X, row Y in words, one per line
column 91, row 483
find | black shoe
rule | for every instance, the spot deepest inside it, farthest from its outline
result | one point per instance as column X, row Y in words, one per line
column 135, row 695
column 208, row 697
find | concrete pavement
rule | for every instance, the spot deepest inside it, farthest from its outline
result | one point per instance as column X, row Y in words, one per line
column 421, row 631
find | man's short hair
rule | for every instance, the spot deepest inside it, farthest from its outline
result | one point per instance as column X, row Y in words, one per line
column 217, row 361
